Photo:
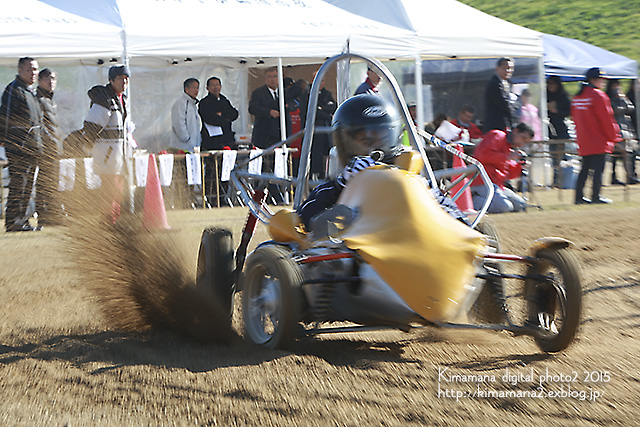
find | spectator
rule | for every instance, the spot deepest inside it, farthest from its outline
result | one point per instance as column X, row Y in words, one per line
column 413, row 112
column 106, row 129
column 433, row 125
column 327, row 106
column 21, row 134
column 622, row 110
column 438, row 158
column 499, row 154
column 465, row 121
column 635, row 147
column 264, row 105
column 370, row 85
column 529, row 115
column 46, row 205
column 217, row 113
column 304, row 87
column 558, row 108
column 185, row 121
column 499, row 101
column 596, row 133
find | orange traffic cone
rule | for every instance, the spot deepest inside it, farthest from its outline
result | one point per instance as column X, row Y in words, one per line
column 154, row 215
column 464, row 202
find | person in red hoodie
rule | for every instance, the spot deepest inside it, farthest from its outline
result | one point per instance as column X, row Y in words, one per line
column 500, row 155
column 596, row 133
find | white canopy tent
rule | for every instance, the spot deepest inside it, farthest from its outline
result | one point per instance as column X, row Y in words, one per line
column 166, row 41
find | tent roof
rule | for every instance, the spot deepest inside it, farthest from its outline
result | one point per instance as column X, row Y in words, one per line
column 250, row 29
column 449, row 29
column 32, row 28
column 570, row 59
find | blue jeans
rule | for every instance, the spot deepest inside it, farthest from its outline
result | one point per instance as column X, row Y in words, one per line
column 504, row 200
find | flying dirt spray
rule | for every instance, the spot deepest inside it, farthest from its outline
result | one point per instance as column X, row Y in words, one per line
column 139, row 278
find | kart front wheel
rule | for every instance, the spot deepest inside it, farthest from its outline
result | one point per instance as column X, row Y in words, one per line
column 271, row 297
column 554, row 298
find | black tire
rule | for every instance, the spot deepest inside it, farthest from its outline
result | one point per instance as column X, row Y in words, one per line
column 554, row 300
column 215, row 268
column 490, row 306
column 487, row 228
column 271, row 297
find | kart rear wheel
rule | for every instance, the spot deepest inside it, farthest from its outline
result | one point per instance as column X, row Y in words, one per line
column 215, row 268
column 554, row 298
column 271, row 297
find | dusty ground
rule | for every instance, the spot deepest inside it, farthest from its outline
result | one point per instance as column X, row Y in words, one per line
column 61, row 363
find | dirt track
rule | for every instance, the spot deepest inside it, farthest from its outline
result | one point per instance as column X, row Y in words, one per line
column 61, row 364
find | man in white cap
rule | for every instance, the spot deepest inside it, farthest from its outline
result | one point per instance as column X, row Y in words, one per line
column 106, row 128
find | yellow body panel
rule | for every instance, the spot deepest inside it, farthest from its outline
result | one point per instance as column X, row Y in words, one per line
column 423, row 253
column 286, row 227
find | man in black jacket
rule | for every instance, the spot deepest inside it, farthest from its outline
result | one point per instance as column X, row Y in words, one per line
column 21, row 134
column 217, row 113
column 321, row 141
column 499, row 107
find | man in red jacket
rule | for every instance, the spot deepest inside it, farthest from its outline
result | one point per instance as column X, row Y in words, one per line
column 596, row 131
column 500, row 155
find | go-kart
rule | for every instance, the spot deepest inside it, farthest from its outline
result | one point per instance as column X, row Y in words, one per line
column 385, row 256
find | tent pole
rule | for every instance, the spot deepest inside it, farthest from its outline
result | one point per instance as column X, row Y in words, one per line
column 244, row 89
column 343, row 75
column 636, row 90
column 419, row 97
column 544, row 116
column 128, row 148
column 283, row 121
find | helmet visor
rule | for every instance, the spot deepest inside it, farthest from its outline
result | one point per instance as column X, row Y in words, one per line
column 381, row 137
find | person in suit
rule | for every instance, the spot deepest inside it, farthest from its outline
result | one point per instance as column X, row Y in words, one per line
column 264, row 106
column 499, row 102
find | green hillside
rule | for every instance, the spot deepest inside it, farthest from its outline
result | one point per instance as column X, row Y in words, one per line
column 612, row 25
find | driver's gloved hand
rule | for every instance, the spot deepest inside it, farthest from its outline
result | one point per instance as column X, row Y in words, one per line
column 355, row 165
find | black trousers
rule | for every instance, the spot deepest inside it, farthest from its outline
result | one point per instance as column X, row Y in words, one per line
column 595, row 163
column 22, row 166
